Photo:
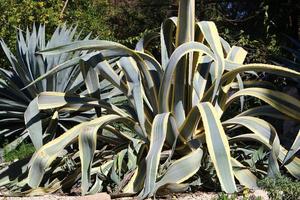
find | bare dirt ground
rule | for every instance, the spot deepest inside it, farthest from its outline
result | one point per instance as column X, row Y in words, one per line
column 180, row 196
column 100, row 196
column 212, row 195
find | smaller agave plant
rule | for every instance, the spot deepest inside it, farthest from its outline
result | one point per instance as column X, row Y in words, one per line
column 177, row 122
column 27, row 66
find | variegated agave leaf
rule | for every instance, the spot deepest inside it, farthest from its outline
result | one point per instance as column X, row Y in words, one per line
column 26, row 66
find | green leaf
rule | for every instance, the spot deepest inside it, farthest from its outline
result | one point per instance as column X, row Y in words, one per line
column 182, row 169
column 102, row 170
column 266, row 132
column 166, row 37
column 212, row 37
column 34, row 124
column 145, row 40
column 158, row 137
column 218, row 146
column 280, row 101
column 87, row 145
column 244, row 175
column 165, row 87
column 185, row 32
column 47, row 153
column 294, row 148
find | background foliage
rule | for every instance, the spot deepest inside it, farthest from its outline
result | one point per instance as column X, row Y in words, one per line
column 90, row 16
column 255, row 25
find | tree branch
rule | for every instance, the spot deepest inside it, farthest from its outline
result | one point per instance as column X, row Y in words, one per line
column 63, row 10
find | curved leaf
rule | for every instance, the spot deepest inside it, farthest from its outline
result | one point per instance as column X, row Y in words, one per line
column 218, row 146
column 266, row 132
column 47, row 153
column 294, row 149
column 181, row 169
column 158, row 137
column 244, row 176
column 280, row 101
column 87, row 145
column 164, row 91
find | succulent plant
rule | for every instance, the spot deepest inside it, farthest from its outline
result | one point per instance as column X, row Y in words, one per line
column 26, row 66
column 175, row 121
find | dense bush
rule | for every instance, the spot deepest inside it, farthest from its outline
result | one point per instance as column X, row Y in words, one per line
column 89, row 16
column 242, row 24
column 24, row 150
column 20, row 14
column 281, row 187
column 131, row 18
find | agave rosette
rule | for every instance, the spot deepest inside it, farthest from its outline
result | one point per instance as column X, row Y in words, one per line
column 27, row 66
column 175, row 116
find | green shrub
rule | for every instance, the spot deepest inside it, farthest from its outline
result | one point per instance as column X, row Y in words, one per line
column 130, row 18
column 91, row 16
column 22, row 151
column 281, row 188
column 224, row 196
column 20, row 14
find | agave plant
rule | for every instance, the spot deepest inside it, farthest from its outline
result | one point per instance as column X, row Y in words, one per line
column 26, row 67
column 178, row 118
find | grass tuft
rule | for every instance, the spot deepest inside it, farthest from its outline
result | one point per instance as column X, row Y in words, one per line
column 22, row 151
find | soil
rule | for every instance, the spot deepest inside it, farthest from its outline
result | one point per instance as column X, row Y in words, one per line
column 179, row 196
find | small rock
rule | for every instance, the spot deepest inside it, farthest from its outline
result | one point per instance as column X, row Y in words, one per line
column 259, row 193
column 99, row 196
